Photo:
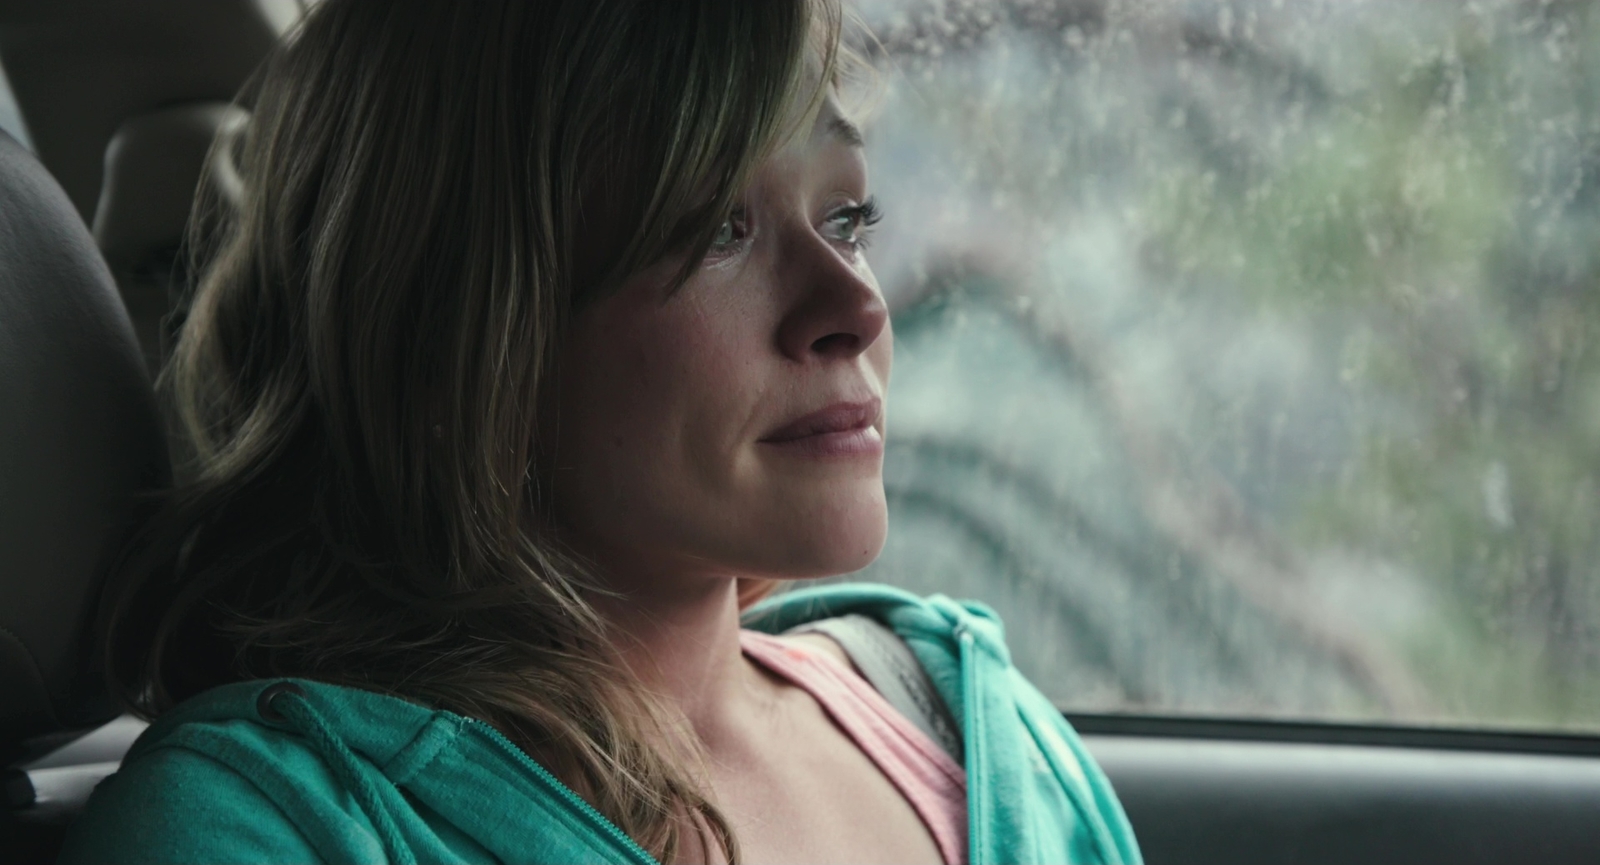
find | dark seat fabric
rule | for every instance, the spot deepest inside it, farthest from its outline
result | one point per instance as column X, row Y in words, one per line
column 80, row 442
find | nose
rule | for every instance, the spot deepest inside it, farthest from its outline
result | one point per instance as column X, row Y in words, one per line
column 838, row 312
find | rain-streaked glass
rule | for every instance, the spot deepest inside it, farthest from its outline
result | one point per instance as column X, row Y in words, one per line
column 1248, row 353
column 10, row 118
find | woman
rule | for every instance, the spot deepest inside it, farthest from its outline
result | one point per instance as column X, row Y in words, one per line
column 538, row 342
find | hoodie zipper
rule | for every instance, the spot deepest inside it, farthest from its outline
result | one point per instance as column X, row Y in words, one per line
column 973, row 736
column 599, row 821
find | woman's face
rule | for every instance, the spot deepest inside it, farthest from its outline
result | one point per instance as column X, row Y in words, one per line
column 735, row 426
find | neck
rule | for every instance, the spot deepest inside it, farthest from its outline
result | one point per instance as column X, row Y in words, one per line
column 681, row 638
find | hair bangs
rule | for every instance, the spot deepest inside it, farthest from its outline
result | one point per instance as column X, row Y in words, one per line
column 743, row 80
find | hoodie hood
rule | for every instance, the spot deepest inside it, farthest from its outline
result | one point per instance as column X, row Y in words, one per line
column 1034, row 793
column 403, row 770
column 333, row 773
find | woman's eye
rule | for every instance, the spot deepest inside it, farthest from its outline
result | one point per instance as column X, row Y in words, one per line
column 853, row 225
column 729, row 235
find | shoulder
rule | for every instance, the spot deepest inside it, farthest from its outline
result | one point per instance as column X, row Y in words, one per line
column 1036, row 790
column 213, row 780
column 821, row 643
column 175, row 804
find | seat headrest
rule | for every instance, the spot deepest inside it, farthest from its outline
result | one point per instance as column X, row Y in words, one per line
column 80, row 440
column 153, row 165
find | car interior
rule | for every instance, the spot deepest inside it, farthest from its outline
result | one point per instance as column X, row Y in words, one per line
column 122, row 101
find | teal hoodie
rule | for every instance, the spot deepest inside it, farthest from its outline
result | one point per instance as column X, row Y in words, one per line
column 298, row 771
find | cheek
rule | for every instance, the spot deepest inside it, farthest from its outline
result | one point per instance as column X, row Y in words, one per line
column 652, row 402
column 661, row 407
column 669, row 382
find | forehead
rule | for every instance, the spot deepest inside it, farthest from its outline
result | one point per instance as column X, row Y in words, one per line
column 832, row 125
column 831, row 144
column 828, row 126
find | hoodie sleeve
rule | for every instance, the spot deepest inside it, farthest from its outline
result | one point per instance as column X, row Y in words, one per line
column 174, row 805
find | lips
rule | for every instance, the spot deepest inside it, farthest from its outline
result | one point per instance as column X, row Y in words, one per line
column 842, row 417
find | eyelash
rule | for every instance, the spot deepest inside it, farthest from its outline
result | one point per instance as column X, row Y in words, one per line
column 863, row 218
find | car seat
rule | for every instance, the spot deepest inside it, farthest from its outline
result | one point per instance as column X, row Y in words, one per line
column 152, row 166
column 80, row 446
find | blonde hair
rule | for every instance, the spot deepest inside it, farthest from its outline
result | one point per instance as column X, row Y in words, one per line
column 429, row 189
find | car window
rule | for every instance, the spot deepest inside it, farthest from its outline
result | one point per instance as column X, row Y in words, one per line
column 284, row 13
column 1248, row 351
column 10, row 117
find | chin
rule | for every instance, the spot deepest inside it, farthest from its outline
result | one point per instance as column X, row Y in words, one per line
column 833, row 542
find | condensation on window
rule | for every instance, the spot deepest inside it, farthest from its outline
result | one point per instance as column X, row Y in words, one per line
column 10, row 117
column 1248, row 353
column 282, row 14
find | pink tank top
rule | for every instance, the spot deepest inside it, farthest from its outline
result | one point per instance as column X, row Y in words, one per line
column 929, row 779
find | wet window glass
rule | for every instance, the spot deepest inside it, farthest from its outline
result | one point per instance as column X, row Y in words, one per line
column 10, row 117
column 1248, row 353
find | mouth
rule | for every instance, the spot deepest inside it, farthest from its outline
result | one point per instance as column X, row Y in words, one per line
column 841, row 429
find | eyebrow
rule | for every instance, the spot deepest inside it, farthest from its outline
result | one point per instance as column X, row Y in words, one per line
column 845, row 131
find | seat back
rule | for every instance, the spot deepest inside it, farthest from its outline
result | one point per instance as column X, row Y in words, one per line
column 80, row 442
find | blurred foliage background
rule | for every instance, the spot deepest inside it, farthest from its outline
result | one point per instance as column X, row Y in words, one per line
column 1249, row 352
